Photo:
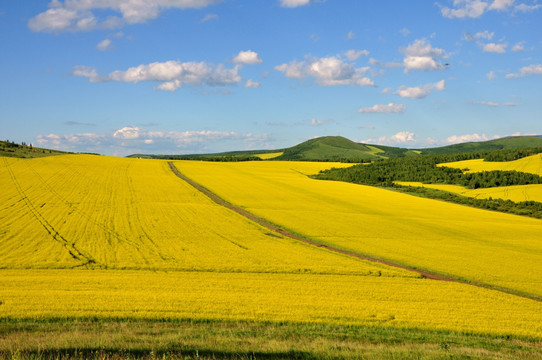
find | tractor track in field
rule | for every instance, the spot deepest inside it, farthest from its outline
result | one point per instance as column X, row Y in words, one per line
column 267, row 224
column 263, row 222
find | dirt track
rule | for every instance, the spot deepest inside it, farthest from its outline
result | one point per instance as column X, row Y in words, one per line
column 283, row 232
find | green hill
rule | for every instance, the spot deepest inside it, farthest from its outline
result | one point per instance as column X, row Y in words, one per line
column 11, row 149
column 338, row 148
column 512, row 142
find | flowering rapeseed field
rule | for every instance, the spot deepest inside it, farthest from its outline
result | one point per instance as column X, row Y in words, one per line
column 530, row 164
column 86, row 236
column 476, row 245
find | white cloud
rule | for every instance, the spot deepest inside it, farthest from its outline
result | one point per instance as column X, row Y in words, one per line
column 495, row 48
column 327, row 71
column 252, row 84
column 491, row 75
column 292, row 70
column 351, row 35
column 420, row 55
column 527, row 8
column 134, row 139
column 79, row 15
column 527, row 70
column 465, row 8
column 86, row 71
column 316, row 122
column 353, row 55
column 401, row 137
column 519, row 47
column 501, row 5
column 491, row 103
column 384, row 109
column 479, row 35
column 454, row 139
column 105, row 45
column 248, row 57
column 209, row 17
column 405, row 32
column 293, row 3
column 476, row 8
column 171, row 74
column 420, row 92
column 127, row 132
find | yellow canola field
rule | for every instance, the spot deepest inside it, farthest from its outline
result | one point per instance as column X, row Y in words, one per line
column 482, row 246
column 337, row 299
column 530, row 164
column 515, row 193
column 207, row 262
column 268, row 156
column 104, row 212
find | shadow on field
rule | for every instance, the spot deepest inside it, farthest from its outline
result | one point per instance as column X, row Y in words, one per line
column 113, row 354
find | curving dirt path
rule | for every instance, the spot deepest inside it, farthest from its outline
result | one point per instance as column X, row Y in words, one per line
column 265, row 223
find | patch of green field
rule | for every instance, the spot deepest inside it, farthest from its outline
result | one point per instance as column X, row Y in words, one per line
column 208, row 339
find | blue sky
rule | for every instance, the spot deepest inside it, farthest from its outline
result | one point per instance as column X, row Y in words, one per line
column 118, row 77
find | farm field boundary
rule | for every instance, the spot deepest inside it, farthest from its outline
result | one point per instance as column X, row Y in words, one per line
column 424, row 273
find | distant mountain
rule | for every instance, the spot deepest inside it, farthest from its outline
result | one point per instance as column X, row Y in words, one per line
column 338, row 148
column 512, row 142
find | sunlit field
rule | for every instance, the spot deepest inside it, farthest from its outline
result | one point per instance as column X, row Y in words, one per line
column 396, row 302
column 530, row 164
column 476, row 245
column 94, row 237
column 104, row 212
column 515, row 193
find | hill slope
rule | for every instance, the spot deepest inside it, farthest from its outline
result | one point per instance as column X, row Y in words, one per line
column 336, row 148
column 512, row 142
column 11, row 149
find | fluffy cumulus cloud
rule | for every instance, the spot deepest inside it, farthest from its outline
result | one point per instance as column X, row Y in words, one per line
column 420, row 92
column 495, row 48
column 474, row 8
column 327, row 71
column 82, row 15
column 534, row 69
column 170, row 74
column 247, row 57
column 420, row 55
column 135, row 139
column 383, row 109
column 402, row 137
column 294, row 3
column 455, row 139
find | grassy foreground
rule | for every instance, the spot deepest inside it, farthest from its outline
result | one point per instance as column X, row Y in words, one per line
column 185, row 339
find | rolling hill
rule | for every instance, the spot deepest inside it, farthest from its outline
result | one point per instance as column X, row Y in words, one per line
column 511, row 142
column 338, row 148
